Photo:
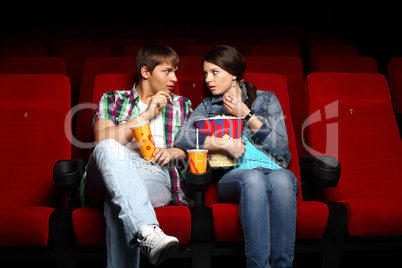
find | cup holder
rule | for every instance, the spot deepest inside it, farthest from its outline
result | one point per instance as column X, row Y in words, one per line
column 68, row 173
column 327, row 170
column 198, row 182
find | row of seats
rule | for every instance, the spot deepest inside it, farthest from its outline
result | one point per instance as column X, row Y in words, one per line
column 81, row 65
column 350, row 118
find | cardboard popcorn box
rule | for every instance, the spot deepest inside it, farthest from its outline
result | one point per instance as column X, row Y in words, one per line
column 221, row 127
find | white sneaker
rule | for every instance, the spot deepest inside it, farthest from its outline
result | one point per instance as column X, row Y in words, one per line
column 155, row 244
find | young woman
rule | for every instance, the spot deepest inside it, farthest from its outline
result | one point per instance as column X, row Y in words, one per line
column 265, row 190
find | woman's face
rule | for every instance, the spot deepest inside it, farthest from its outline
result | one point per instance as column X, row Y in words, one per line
column 217, row 80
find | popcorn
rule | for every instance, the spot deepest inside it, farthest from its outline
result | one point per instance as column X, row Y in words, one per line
column 221, row 126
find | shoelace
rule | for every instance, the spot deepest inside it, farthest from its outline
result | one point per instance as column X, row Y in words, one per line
column 151, row 239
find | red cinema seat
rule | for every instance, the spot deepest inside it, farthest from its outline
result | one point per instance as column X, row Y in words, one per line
column 312, row 216
column 33, row 65
column 91, row 67
column 191, row 79
column 241, row 44
column 33, row 139
column 199, row 50
column 394, row 68
column 317, row 51
column 179, row 44
column 117, row 45
column 88, row 222
column 292, row 68
column 74, row 58
column 19, row 41
column 22, row 52
column 275, row 50
column 132, row 50
column 351, row 118
column 347, row 64
column 58, row 44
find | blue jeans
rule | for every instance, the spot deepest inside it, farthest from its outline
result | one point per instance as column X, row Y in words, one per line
column 129, row 188
column 267, row 211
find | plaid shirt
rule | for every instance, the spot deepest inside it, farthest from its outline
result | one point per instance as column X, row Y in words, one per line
column 121, row 106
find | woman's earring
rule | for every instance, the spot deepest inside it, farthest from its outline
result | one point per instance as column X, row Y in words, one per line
column 234, row 83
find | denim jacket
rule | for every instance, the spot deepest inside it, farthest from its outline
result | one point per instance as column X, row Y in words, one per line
column 271, row 138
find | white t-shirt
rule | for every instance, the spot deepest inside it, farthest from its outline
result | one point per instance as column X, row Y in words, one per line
column 156, row 125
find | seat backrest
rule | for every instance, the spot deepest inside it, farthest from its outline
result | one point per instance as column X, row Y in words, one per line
column 191, row 79
column 395, row 82
column 117, row 44
column 91, row 67
column 58, row 44
column 22, row 52
column 179, row 44
column 347, row 64
column 316, row 51
column 33, row 138
column 351, row 118
column 199, row 50
column 241, row 44
column 33, row 65
column 275, row 50
column 292, row 68
column 132, row 50
column 277, row 84
column 74, row 57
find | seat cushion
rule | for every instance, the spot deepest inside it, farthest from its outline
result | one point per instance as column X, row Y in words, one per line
column 374, row 217
column 90, row 228
column 312, row 220
column 25, row 226
column 311, row 223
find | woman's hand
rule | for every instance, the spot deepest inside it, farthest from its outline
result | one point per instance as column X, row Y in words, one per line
column 235, row 106
column 236, row 148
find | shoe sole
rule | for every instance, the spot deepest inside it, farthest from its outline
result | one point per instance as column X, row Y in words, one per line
column 169, row 249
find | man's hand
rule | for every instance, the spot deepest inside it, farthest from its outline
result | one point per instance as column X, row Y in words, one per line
column 164, row 156
column 155, row 106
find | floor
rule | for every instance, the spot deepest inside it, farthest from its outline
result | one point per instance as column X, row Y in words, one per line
column 305, row 260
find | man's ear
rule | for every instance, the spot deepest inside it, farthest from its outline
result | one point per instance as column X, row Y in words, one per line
column 144, row 72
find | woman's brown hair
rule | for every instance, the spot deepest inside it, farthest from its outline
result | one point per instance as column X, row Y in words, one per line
column 230, row 60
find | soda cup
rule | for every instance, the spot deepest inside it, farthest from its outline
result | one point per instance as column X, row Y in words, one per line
column 143, row 135
column 197, row 161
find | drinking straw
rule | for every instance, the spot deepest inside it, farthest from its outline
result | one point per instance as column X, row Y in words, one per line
column 196, row 143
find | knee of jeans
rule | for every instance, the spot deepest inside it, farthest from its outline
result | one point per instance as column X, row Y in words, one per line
column 284, row 180
column 109, row 146
column 254, row 181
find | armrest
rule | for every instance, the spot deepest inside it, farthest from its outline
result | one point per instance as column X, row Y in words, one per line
column 198, row 184
column 68, row 173
column 322, row 171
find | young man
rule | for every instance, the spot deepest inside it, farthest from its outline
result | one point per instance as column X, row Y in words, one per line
column 117, row 175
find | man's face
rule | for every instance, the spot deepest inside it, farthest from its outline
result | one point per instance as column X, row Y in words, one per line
column 163, row 78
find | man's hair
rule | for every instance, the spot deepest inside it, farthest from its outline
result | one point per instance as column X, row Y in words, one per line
column 154, row 54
